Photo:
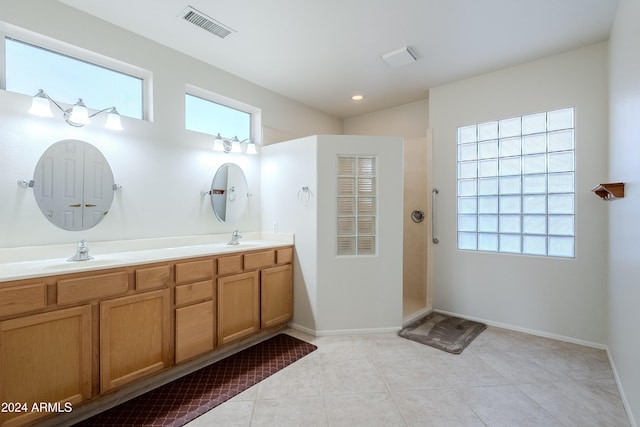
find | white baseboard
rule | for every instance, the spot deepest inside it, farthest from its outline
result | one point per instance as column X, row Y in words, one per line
column 329, row 332
column 415, row 316
column 357, row 331
column 405, row 321
column 301, row 328
column 625, row 402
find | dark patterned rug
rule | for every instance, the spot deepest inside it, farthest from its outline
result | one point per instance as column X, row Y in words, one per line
column 450, row 334
column 182, row 400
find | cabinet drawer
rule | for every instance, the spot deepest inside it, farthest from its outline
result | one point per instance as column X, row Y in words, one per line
column 194, row 270
column 71, row 291
column 153, row 277
column 230, row 264
column 284, row 256
column 256, row 260
column 22, row 299
column 193, row 292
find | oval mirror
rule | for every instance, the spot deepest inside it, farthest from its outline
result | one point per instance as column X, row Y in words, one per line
column 229, row 193
column 73, row 185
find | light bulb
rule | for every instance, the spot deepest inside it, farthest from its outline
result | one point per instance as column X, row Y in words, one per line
column 79, row 113
column 251, row 148
column 218, row 145
column 113, row 120
column 40, row 106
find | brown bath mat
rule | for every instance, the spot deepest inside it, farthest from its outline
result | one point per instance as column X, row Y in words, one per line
column 182, row 400
column 450, row 334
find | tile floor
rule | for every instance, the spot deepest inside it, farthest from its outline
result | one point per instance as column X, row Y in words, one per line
column 503, row 378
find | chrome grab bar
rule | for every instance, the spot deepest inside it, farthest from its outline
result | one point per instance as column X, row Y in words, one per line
column 433, row 216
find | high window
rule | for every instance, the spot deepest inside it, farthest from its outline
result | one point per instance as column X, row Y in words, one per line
column 516, row 185
column 214, row 114
column 66, row 78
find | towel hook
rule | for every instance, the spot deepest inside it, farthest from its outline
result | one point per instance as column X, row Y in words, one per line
column 304, row 195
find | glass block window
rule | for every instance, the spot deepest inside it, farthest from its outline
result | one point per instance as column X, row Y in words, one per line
column 516, row 185
column 356, row 215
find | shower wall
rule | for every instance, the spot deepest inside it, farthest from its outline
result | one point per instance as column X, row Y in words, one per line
column 336, row 293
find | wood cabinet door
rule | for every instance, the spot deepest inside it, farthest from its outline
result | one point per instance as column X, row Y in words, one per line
column 135, row 337
column 195, row 330
column 238, row 306
column 276, row 295
column 45, row 358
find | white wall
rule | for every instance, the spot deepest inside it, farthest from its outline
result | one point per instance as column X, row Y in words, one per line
column 337, row 294
column 624, row 231
column 365, row 292
column 161, row 166
column 409, row 120
column 565, row 297
column 286, row 168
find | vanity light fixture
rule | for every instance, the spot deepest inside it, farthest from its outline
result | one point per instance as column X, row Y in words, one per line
column 233, row 145
column 77, row 115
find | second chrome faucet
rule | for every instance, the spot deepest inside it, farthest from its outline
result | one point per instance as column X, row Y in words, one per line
column 234, row 238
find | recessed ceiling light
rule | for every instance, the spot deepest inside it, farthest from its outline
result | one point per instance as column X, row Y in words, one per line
column 357, row 97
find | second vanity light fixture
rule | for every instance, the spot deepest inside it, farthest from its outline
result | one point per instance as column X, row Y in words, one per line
column 77, row 115
column 233, row 145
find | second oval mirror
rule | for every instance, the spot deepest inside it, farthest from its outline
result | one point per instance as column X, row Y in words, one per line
column 229, row 193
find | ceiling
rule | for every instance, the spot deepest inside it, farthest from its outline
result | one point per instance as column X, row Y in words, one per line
column 321, row 52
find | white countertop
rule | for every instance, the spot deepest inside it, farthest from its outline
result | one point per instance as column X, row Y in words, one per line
column 38, row 261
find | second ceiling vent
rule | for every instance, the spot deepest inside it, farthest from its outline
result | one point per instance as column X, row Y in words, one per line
column 205, row 22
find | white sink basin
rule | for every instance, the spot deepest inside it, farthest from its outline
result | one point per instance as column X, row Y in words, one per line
column 65, row 265
column 242, row 245
column 36, row 261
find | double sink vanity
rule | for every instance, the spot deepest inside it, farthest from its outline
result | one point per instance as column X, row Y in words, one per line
column 76, row 331
column 86, row 325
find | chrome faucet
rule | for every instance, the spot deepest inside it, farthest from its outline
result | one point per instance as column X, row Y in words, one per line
column 82, row 252
column 234, row 238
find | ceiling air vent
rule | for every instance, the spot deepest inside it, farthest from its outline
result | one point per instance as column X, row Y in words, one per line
column 205, row 22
